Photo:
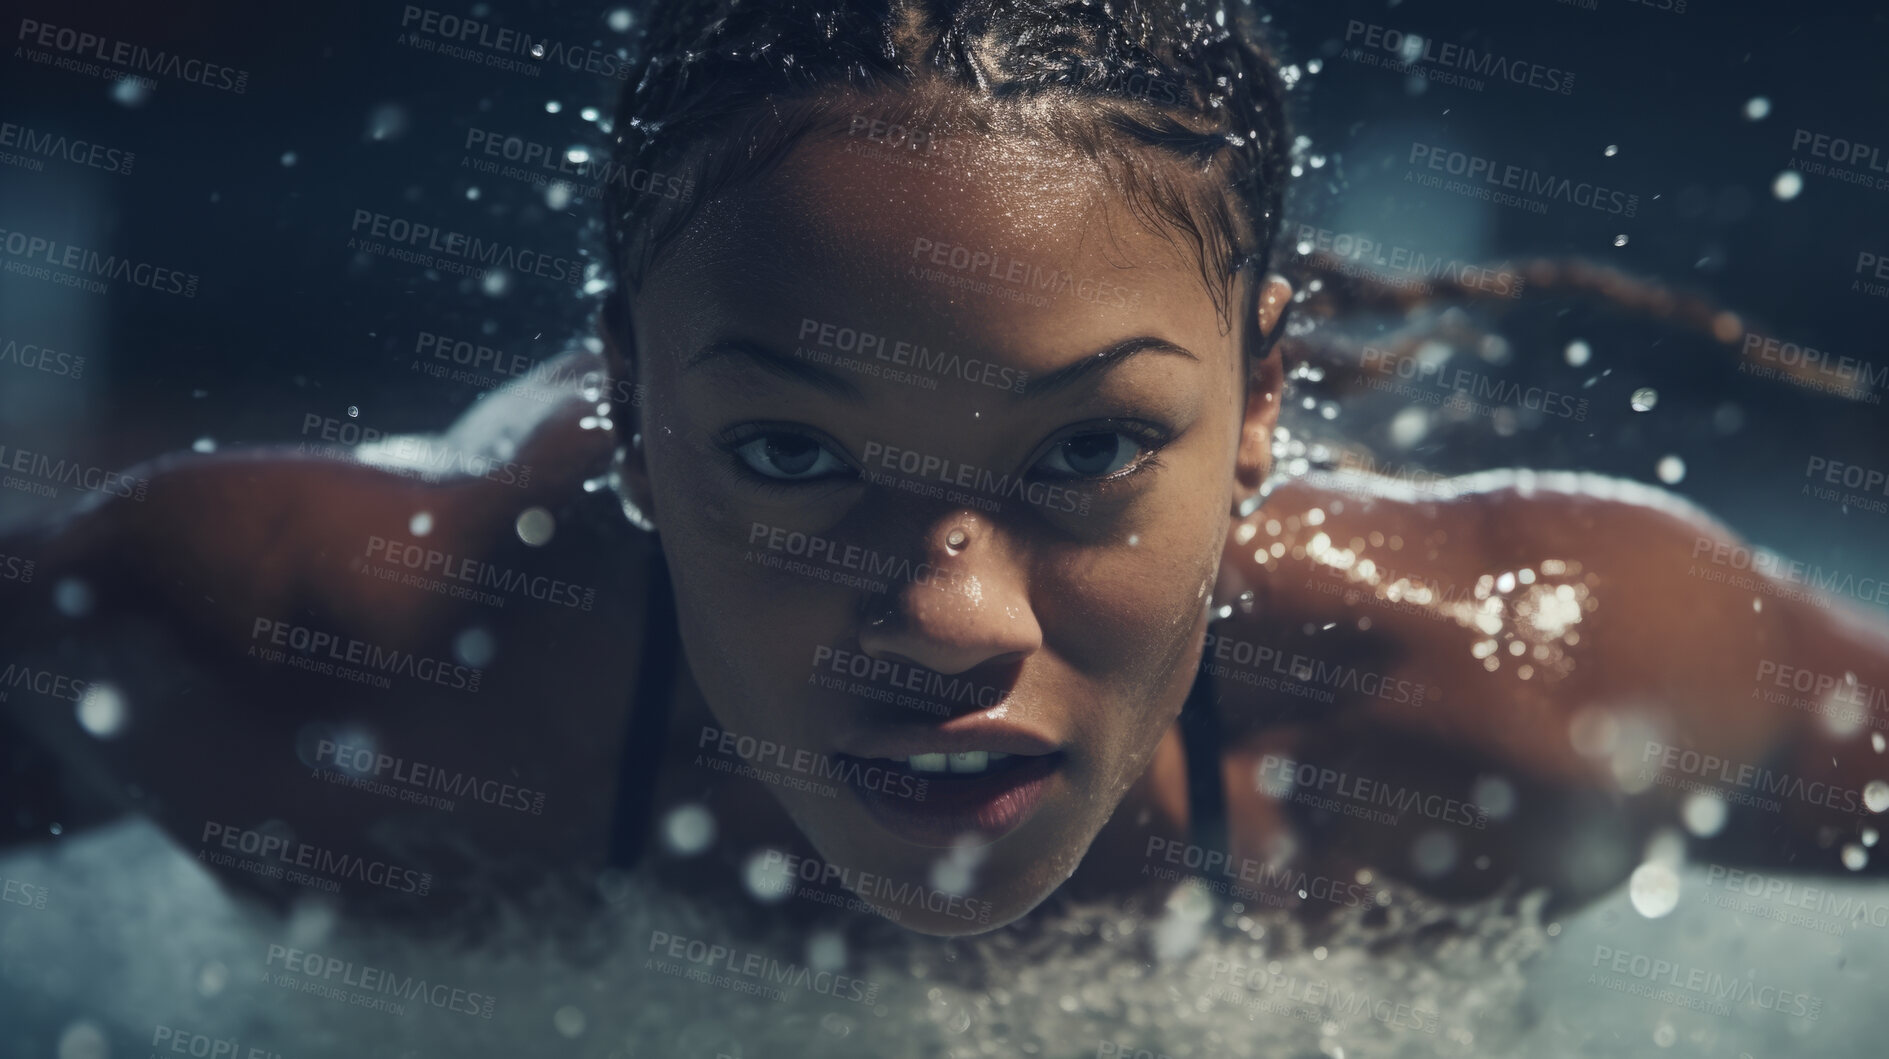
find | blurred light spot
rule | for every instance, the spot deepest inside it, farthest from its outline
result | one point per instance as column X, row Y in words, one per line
column 1578, row 353
column 1496, row 796
column 203, row 445
column 102, row 710
column 289, row 159
column 497, row 282
column 1757, row 108
column 1654, row 890
column 826, row 951
column 535, row 526
column 1621, row 239
column 620, row 20
column 73, row 597
column 420, row 524
column 766, row 876
column 1703, row 814
column 83, row 1040
column 1788, row 185
column 212, row 978
column 1876, row 796
column 1433, row 854
column 552, row 106
column 386, row 122
column 1612, row 149
column 1671, row 470
column 569, row 1021
column 1644, row 399
column 688, row 829
column 131, row 91
column 475, row 647
column 1855, row 857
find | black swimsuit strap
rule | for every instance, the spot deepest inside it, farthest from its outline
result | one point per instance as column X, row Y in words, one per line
column 1206, row 784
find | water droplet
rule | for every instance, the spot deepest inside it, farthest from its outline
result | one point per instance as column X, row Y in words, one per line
column 1757, row 108
column 688, row 829
column 1876, row 796
column 1877, row 742
column 535, row 526
column 1787, row 185
column 1671, row 470
column 1644, row 399
column 1855, row 857
column 472, row 193
column 1664, row 1035
column 552, row 106
column 766, row 876
column 475, row 647
column 1612, row 149
column 620, row 20
column 497, row 282
column 1621, row 239
column 102, row 710
column 354, row 411
column 568, row 1021
column 1654, row 890
column 537, row 51
column 1578, row 353
column 1703, row 814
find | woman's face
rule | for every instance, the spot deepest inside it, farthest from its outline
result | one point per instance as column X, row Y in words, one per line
column 942, row 459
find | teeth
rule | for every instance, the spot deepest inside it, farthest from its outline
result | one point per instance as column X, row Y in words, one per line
column 969, row 761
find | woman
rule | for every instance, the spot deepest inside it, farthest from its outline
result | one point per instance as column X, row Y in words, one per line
column 947, row 378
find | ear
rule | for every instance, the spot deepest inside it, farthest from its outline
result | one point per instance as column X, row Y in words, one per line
column 623, row 365
column 1265, row 386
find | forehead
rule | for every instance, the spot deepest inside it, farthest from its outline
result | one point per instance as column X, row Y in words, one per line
column 1010, row 244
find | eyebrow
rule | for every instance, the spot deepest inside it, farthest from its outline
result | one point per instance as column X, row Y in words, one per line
column 795, row 369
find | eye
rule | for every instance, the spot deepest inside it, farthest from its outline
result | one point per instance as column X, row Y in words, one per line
column 789, row 457
column 1096, row 454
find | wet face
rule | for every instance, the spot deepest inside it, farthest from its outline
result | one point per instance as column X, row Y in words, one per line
column 943, row 460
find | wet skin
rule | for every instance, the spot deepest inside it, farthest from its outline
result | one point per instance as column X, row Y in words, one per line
column 1092, row 625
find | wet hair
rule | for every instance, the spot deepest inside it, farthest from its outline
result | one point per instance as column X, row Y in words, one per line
column 722, row 90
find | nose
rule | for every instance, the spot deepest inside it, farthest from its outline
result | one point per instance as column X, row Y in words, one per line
column 972, row 609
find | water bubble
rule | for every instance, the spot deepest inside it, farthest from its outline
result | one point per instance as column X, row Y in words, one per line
column 590, row 113
column 537, row 51
column 552, row 106
column 1855, row 857
column 766, row 876
column 289, row 159
column 1876, row 796
column 83, row 1040
column 132, row 91
column 569, row 1021
column 1671, row 470
column 688, row 829
column 1433, row 854
column 535, row 526
column 1654, row 890
column 1621, row 239
column 475, row 647
column 1578, row 353
column 1757, row 108
column 1313, row 66
column 420, row 524
column 1612, row 149
column 102, row 710
column 1703, row 814
column 1644, row 399
column 354, row 411
column 72, row 597
column 1787, row 185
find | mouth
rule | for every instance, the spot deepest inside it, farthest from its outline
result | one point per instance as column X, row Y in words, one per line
column 939, row 798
